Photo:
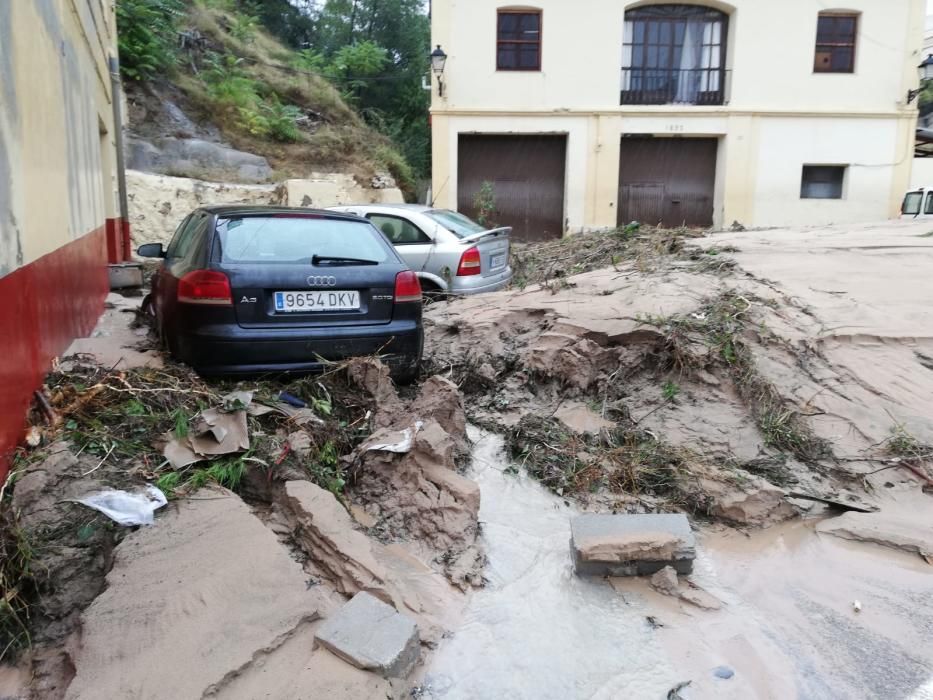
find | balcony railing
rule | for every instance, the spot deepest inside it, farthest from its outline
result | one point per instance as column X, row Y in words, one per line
column 672, row 86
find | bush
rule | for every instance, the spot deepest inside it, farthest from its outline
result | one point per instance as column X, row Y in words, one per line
column 280, row 120
column 146, row 37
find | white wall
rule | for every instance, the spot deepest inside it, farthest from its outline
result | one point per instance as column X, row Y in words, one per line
column 865, row 146
column 771, row 50
column 921, row 172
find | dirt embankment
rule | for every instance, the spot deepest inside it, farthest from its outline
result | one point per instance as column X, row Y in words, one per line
column 679, row 380
column 360, row 490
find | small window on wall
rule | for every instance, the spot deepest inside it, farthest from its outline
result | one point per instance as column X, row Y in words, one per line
column 835, row 43
column 518, row 40
column 822, row 181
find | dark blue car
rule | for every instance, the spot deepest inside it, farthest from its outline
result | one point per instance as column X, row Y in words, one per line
column 246, row 290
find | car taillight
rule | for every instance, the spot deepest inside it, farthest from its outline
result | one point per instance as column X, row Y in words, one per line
column 469, row 263
column 407, row 287
column 205, row 287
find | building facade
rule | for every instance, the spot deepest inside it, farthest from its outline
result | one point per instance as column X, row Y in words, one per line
column 588, row 114
column 57, row 189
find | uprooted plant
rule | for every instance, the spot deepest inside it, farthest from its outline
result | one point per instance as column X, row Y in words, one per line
column 624, row 460
column 126, row 417
column 18, row 585
column 721, row 324
column 550, row 263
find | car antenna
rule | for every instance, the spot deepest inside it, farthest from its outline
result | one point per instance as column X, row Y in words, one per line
column 435, row 195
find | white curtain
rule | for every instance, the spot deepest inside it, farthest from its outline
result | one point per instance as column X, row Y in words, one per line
column 691, row 61
column 627, row 55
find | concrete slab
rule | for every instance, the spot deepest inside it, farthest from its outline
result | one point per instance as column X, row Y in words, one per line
column 372, row 636
column 190, row 603
column 631, row 545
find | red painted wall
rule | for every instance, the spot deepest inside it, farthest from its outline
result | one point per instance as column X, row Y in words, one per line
column 44, row 306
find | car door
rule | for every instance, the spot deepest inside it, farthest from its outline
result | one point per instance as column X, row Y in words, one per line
column 412, row 244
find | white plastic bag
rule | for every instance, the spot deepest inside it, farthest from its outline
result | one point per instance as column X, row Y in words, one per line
column 126, row 508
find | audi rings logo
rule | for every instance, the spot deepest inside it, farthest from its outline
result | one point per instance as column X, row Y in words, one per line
column 322, row 281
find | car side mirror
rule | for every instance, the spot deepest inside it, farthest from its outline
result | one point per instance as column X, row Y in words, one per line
column 151, row 250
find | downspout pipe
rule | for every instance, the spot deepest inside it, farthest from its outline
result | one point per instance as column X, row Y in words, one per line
column 116, row 91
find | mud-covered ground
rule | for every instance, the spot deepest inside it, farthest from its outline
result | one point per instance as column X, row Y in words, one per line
column 763, row 382
column 711, row 386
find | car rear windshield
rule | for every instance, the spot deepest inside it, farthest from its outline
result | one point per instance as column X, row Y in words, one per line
column 912, row 203
column 287, row 239
column 455, row 222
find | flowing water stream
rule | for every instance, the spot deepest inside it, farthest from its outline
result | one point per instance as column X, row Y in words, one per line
column 787, row 628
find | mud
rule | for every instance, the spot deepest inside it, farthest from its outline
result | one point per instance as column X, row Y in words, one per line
column 406, row 478
column 772, row 606
column 828, row 372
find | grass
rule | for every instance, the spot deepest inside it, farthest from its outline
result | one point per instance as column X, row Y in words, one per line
column 247, row 83
column 720, row 324
column 121, row 415
column 670, row 390
column 626, row 460
column 18, row 585
column 906, row 446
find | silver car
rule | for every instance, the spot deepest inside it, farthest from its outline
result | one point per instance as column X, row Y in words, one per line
column 449, row 252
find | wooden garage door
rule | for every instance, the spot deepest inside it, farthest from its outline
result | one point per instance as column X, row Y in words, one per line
column 667, row 181
column 527, row 173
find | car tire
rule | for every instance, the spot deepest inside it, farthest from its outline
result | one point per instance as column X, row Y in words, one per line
column 407, row 373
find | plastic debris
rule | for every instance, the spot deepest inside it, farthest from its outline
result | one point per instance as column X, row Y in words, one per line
column 723, row 672
column 292, row 400
column 398, row 441
column 126, row 508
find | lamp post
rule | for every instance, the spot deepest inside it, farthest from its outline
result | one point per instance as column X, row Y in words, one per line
column 926, row 74
column 438, row 60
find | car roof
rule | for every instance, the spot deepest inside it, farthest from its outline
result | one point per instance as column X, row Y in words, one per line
column 259, row 210
column 420, row 208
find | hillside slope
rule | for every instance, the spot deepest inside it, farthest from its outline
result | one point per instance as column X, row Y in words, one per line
column 229, row 93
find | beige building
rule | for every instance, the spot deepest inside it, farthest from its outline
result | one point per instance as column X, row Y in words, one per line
column 591, row 113
column 58, row 204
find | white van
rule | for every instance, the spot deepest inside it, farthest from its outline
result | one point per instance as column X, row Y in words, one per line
column 918, row 204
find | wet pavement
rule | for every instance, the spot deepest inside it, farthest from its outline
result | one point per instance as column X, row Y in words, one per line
column 788, row 628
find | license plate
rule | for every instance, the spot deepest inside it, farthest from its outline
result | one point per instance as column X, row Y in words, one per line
column 290, row 302
column 497, row 261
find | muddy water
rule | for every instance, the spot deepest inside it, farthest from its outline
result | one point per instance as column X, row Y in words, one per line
column 787, row 628
column 537, row 631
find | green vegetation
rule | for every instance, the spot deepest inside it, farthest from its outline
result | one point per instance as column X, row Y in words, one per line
column 120, row 418
column 720, row 324
column 485, row 204
column 669, row 391
column 335, row 84
column 18, row 585
column 623, row 460
column 146, row 37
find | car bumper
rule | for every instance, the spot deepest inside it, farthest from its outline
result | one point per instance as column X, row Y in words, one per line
column 226, row 350
column 480, row 285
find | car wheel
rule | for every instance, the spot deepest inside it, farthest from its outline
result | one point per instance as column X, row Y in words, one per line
column 407, row 373
column 432, row 293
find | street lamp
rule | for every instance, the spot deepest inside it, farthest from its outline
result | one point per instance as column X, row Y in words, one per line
column 438, row 60
column 926, row 74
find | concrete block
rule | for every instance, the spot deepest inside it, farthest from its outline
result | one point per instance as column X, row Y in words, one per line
column 123, row 275
column 372, row 636
column 631, row 545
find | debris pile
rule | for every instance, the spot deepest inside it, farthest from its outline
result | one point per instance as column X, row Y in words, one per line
column 299, row 451
column 405, row 475
column 645, row 390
